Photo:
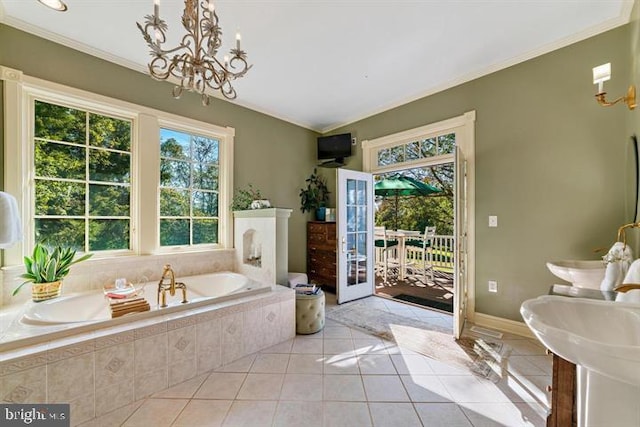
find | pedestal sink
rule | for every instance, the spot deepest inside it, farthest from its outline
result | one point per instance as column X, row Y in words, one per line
column 584, row 274
column 603, row 339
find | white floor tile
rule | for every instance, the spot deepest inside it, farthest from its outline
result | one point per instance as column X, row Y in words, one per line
column 208, row 413
column 376, row 364
column 298, row 414
column 425, row 388
column 307, row 346
column 442, row 414
column 221, row 385
column 337, row 332
column 337, row 364
column 261, row 387
column 250, row 414
column 306, row 387
column 412, row 364
column 346, row 414
column 384, row 388
column 338, row 346
column 306, row 364
column 504, row 414
column 270, row 364
column 468, row 388
column 156, row 412
column 394, row 415
column 346, row 388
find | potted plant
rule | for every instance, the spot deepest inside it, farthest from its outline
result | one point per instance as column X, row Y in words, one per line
column 46, row 268
column 315, row 195
column 244, row 199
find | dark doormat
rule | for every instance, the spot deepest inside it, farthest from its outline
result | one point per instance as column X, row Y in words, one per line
column 425, row 302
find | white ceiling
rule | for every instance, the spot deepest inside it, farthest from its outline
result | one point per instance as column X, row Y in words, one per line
column 325, row 63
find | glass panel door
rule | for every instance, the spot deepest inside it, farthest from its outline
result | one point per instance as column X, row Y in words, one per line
column 355, row 234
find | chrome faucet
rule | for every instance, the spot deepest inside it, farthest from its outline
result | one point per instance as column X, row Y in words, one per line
column 167, row 273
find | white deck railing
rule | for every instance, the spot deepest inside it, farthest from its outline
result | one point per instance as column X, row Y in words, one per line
column 440, row 254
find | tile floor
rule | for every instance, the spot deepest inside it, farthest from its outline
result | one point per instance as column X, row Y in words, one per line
column 344, row 377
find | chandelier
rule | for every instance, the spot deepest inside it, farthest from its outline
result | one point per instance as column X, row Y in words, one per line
column 193, row 61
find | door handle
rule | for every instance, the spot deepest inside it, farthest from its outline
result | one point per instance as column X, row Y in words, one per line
column 344, row 245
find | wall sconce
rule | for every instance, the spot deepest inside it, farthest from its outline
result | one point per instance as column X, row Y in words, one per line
column 601, row 74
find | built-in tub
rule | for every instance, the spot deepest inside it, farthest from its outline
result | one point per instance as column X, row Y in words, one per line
column 93, row 306
column 132, row 357
column 87, row 311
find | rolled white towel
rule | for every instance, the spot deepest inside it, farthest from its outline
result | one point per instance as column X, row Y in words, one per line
column 633, row 276
column 10, row 226
column 618, row 260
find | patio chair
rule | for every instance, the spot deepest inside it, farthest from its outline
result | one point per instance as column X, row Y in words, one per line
column 424, row 244
column 382, row 248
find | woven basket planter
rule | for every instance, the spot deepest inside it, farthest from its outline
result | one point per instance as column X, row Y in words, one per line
column 45, row 291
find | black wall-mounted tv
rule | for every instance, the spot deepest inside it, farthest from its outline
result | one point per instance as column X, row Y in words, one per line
column 334, row 147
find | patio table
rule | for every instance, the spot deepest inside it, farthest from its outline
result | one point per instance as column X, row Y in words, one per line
column 401, row 236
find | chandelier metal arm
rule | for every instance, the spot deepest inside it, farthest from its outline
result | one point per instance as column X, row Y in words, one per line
column 194, row 63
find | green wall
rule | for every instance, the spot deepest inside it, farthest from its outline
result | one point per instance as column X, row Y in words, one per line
column 550, row 163
column 273, row 155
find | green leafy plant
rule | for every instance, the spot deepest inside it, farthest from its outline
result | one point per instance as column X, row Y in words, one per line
column 243, row 197
column 48, row 265
column 316, row 194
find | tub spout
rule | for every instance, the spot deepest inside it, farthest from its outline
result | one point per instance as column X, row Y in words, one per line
column 626, row 287
column 163, row 287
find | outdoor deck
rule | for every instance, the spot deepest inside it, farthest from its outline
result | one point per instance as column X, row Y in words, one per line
column 437, row 295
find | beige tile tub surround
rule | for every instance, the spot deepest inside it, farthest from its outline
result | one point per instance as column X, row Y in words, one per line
column 116, row 369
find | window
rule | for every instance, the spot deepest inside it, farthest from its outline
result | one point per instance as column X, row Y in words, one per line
column 416, row 150
column 112, row 177
column 82, row 171
column 189, row 171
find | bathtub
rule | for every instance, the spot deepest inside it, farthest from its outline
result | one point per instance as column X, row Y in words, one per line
column 93, row 306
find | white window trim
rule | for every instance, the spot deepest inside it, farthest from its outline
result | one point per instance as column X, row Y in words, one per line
column 464, row 128
column 19, row 91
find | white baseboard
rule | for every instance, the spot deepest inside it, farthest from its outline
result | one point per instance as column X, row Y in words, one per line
column 504, row 325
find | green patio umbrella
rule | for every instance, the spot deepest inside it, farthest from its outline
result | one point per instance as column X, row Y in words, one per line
column 400, row 185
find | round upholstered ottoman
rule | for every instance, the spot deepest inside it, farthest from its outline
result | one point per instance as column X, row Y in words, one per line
column 309, row 313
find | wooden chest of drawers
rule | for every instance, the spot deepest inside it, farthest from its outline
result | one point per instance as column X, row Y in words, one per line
column 321, row 254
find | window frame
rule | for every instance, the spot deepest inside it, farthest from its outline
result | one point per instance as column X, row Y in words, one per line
column 20, row 93
column 29, row 221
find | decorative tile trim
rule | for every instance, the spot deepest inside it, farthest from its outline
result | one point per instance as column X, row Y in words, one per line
column 181, row 323
column 23, row 363
column 208, row 316
column 70, row 351
column 115, row 339
column 148, row 331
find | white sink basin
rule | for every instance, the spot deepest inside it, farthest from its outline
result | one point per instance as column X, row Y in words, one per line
column 584, row 274
column 601, row 336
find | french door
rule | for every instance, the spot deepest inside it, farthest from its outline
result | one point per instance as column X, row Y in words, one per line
column 461, row 244
column 355, row 235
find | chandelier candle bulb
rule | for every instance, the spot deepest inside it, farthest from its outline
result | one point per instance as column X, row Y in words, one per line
column 156, row 8
column 238, row 38
column 211, row 6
